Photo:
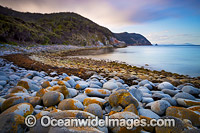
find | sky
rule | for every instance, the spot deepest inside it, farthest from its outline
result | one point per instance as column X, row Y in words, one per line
column 160, row 21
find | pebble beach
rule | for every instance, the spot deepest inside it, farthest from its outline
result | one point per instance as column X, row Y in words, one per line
column 59, row 85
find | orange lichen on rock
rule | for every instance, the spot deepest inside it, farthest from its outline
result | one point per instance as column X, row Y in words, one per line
column 17, row 89
column 122, row 98
column 78, row 86
column 184, row 113
column 11, row 102
column 147, row 128
column 191, row 102
column 71, row 114
column 61, row 83
column 91, row 100
column 102, row 91
column 23, row 84
column 34, row 100
column 131, row 108
column 195, row 108
column 61, row 89
column 88, row 90
column 22, row 109
column 41, row 92
column 112, row 112
column 45, row 84
column 66, row 78
column 70, row 104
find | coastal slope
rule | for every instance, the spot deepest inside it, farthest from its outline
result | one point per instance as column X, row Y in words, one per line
column 55, row 28
column 132, row 38
column 66, row 28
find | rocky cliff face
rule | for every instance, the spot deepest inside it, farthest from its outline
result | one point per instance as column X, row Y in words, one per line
column 132, row 38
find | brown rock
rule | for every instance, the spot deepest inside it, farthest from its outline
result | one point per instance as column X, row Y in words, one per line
column 184, row 113
column 122, row 98
column 22, row 109
column 70, row 104
column 131, row 108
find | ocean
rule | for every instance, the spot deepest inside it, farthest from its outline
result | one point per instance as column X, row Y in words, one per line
column 177, row 59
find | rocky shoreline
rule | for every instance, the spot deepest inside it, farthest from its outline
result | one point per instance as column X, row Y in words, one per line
column 71, row 87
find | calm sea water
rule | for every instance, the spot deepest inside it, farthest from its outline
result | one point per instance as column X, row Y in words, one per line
column 178, row 59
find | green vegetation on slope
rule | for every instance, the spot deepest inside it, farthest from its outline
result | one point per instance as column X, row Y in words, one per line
column 132, row 38
column 56, row 28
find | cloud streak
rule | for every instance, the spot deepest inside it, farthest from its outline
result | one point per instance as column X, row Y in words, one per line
column 110, row 12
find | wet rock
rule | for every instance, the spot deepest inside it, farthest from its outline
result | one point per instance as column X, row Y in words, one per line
column 122, row 98
column 41, row 113
column 22, row 109
column 165, row 85
column 136, row 93
column 4, row 78
column 147, row 95
column 148, row 86
column 81, row 86
column 41, row 92
column 72, row 92
column 184, row 113
column 34, row 100
column 71, row 81
column 131, row 108
column 17, row 89
column 75, row 78
column 148, row 113
column 93, row 92
column 81, row 97
column 91, row 100
column 94, row 109
column 45, row 84
column 14, row 77
column 71, row 113
column 1, row 87
column 160, row 96
column 116, row 108
column 157, row 92
column 124, row 115
column 195, row 108
column 12, row 101
column 147, row 100
column 94, row 86
column 52, row 98
column 191, row 131
column 38, row 107
column 27, row 84
column 187, row 102
column 191, row 90
column 143, row 82
column 160, row 106
column 1, row 101
column 73, row 130
column 12, row 123
column 110, row 85
column 3, row 82
column 70, row 104
column 62, row 89
column 170, row 92
column 144, row 89
column 184, row 95
column 177, row 128
column 170, row 100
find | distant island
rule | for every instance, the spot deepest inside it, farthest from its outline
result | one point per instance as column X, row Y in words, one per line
column 66, row 28
column 184, row 44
